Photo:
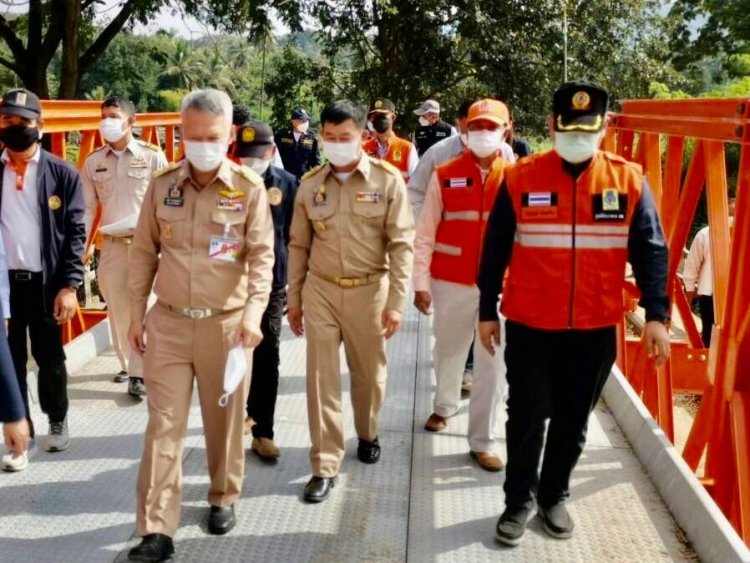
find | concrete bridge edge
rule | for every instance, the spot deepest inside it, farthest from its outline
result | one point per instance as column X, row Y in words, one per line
column 708, row 530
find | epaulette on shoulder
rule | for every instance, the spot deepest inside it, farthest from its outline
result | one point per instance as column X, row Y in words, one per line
column 249, row 175
column 148, row 145
column 167, row 169
column 312, row 172
column 104, row 146
column 385, row 165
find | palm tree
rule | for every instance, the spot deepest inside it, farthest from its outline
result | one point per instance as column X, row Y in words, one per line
column 98, row 93
column 183, row 65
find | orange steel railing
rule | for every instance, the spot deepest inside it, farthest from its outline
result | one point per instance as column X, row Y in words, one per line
column 658, row 134
column 62, row 117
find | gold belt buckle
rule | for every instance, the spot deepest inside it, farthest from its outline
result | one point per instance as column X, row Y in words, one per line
column 346, row 282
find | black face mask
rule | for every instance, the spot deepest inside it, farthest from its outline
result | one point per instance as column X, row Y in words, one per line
column 18, row 138
column 381, row 124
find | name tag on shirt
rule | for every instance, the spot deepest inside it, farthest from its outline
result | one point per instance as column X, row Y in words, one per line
column 224, row 204
column 367, row 197
column 138, row 163
column 224, row 249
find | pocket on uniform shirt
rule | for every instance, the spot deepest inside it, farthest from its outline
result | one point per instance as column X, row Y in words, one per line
column 138, row 173
column 322, row 219
column 369, row 219
column 103, row 186
column 171, row 221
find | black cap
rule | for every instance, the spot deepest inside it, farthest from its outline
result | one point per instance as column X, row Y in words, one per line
column 382, row 104
column 299, row 113
column 580, row 105
column 253, row 139
column 21, row 102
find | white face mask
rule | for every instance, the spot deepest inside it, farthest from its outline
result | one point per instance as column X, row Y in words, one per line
column 205, row 156
column 111, row 129
column 341, row 154
column 423, row 122
column 485, row 143
column 303, row 127
column 576, row 147
column 257, row 165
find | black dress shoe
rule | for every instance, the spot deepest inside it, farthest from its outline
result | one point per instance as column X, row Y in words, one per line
column 221, row 520
column 368, row 452
column 153, row 547
column 317, row 488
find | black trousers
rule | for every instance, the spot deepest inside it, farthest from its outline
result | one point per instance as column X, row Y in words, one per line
column 264, row 386
column 27, row 314
column 470, row 357
column 557, row 375
column 706, row 309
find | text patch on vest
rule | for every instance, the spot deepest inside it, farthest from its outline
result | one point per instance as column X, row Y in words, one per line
column 538, row 205
column 609, row 205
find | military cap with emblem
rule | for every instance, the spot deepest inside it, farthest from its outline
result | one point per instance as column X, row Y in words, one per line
column 580, row 105
column 22, row 103
column 253, row 139
column 382, row 105
column 299, row 113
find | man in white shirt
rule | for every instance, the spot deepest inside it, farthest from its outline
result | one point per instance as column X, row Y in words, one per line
column 698, row 277
column 116, row 177
column 41, row 220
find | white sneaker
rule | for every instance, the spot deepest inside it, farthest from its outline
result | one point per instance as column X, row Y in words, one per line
column 58, row 439
column 12, row 463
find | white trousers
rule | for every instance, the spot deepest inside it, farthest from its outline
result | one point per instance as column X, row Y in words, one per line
column 456, row 322
column 112, row 274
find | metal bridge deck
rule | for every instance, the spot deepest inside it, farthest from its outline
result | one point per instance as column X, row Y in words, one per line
column 425, row 501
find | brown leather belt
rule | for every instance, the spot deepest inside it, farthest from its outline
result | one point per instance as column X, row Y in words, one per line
column 195, row 313
column 348, row 283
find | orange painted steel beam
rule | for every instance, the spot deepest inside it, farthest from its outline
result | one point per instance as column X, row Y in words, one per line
column 722, row 108
column 720, row 130
column 740, row 416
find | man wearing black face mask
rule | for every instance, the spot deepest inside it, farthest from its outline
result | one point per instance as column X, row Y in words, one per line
column 384, row 143
column 41, row 217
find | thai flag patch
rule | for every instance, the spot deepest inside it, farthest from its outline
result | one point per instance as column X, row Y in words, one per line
column 540, row 199
column 457, row 183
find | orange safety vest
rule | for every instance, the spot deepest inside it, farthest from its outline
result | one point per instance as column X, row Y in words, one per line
column 466, row 207
column 567, row 268
column 398, row 153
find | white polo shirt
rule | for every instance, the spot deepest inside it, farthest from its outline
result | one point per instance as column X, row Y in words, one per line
column 21, row 217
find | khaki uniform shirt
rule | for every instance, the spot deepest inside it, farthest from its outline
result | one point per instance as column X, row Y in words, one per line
column 173, row 240
column 359, row 228
column 118, row 184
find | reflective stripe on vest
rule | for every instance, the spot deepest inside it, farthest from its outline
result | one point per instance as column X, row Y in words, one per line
column 461, row 216
column 448, row 249
column 561, row 236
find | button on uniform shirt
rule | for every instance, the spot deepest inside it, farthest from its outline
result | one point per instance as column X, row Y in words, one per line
column 355, row 227
column 118, row 182
column 173, row 240
column 21, row 217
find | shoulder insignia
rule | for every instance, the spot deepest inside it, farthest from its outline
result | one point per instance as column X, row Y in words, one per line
column 310, row 173
column 249, row 175
column 166, row 170
column 151, row 146
column 386, row 165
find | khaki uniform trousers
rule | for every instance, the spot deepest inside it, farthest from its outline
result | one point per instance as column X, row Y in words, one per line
column 179, row 349
column 112, row 274
column 456, row 318
column 353, row 316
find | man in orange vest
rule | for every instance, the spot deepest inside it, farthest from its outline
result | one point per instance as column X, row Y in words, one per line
column 565, row 222
column 446, row 259
column 384, row 143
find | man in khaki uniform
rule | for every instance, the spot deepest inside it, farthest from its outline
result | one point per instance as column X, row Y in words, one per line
column 205, row 232
column 350, row 256
column 116, row 177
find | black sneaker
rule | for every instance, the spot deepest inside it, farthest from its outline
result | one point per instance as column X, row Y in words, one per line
column 136, row 387
column 368, row 452
column 121, row 377
column 556, row 521
column 512, row 525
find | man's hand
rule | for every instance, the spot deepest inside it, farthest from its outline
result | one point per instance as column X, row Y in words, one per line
column 136, row 338
column 17, row 436
column 691, row 295
column 391, row 322
column 248, row 334
column 489, row 335
column 656, row 340
column 296, row 322
column 423, row 302
column 65, row 305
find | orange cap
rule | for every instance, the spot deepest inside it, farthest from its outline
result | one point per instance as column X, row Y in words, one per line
column 489, row 110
